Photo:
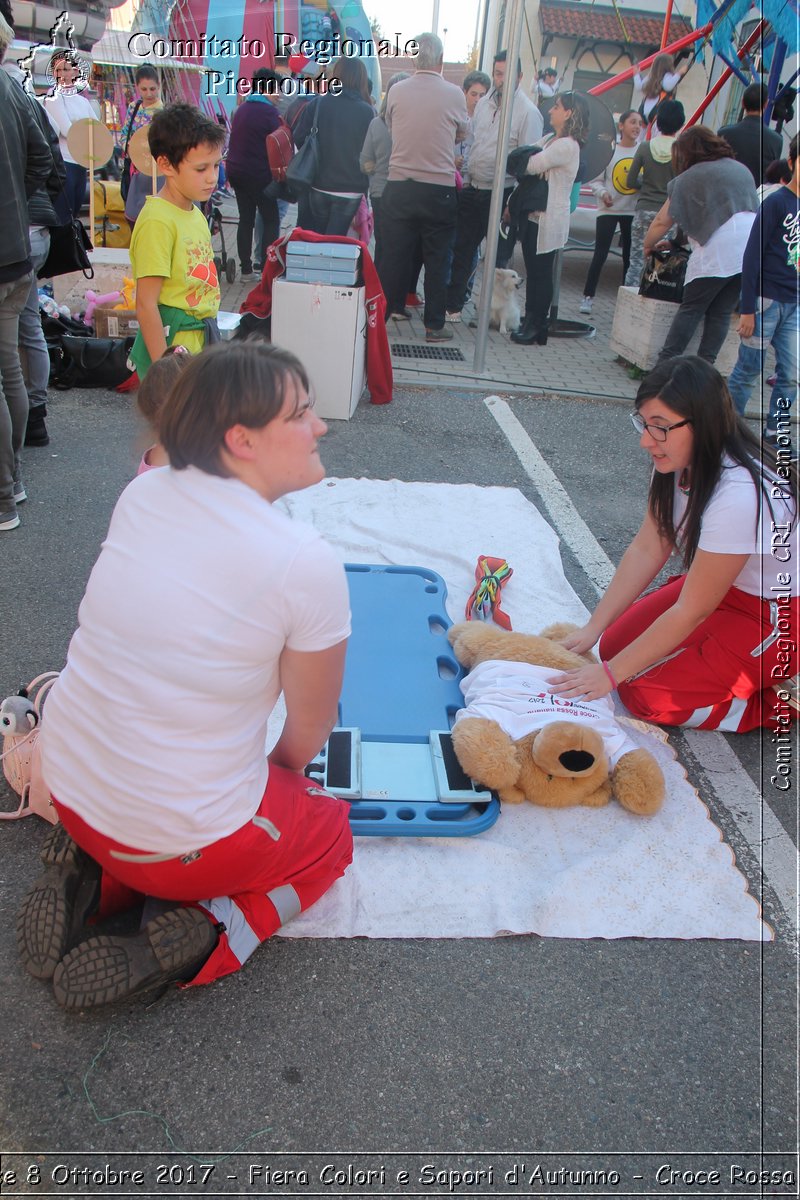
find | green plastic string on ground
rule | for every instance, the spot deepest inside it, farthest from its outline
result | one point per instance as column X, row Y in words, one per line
column 213, row 1160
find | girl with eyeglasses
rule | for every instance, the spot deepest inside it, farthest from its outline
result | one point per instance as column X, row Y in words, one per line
column 716, row 646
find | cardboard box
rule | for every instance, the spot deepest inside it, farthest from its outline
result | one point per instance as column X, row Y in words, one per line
column 326, row 327
column 331, row 254
column 115, row 322
column 641, row 326
column 317, row 274
column 112, row 267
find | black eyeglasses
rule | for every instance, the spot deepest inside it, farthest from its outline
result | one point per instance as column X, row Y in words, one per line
column 659, row 432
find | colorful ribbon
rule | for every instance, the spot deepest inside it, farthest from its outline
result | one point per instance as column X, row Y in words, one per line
column 485, row 601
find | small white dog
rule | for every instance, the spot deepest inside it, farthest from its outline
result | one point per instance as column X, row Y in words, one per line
column 505, row 312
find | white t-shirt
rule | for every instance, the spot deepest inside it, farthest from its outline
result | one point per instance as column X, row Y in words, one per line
column 722, row 254
column 155, row 732
column 64, row 109
column 518, row 697
column 728, row 526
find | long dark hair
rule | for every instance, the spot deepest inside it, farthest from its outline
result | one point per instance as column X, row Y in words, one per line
column 696, row 391
column 698, row 144
column 577, row 124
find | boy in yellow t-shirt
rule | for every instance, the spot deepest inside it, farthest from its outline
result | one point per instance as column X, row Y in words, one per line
column 177, row 291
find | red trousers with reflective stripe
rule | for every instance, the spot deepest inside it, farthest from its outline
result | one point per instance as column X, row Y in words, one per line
column 253, row 881
column 723, row 675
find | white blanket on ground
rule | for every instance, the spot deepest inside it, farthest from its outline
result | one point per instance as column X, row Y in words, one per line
column 557, row 873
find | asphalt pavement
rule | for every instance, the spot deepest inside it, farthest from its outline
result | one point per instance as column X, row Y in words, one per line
column 655, row 1067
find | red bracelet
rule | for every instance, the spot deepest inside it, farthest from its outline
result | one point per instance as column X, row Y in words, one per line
column 607, row 670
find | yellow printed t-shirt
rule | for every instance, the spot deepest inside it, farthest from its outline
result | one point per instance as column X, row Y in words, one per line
column 175, row 244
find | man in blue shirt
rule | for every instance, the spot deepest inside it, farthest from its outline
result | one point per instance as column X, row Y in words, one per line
column 769, row 305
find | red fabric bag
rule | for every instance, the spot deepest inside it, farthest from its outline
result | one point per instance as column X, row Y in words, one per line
column 280, row 151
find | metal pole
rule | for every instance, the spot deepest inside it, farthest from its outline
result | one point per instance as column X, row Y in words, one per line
column 725, row 76
column 495, row 208
column 490, row 26
column 435, row 18
column 667, row 20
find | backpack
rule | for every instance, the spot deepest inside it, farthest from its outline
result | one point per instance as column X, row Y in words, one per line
column 20, row 721
column 280, row 151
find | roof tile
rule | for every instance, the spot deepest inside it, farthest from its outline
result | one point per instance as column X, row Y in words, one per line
column 642, row 29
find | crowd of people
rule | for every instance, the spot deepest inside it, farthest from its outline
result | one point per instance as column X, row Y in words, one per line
column 220, row 844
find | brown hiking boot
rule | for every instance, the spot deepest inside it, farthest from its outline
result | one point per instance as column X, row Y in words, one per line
column 53, row 915
column 170, row 949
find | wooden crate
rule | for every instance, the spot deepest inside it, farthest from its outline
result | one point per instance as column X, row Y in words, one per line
column 641, row 326
column 115, row 322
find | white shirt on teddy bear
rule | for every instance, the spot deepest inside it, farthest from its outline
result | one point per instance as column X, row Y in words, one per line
column 518, row 697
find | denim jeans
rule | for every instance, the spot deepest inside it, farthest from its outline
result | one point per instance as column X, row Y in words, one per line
column 13, row 397
column 72, row 199
column 778, row 324
column 32, row 346
column 332, row 214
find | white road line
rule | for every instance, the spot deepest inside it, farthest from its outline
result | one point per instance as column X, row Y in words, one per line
column 770, row 842
column 754, row 818
column 570, row 525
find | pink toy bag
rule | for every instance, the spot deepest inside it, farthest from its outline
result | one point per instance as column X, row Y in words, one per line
column 21, row 756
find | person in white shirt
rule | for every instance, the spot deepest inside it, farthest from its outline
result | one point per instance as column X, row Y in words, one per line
column 548, row 83
column 205, row 604
column 426, row 117
column 64, row 107
column 475, row 197
column 547, row 231
column 659, row 83
column 713, row 201
column 716, row 646
column 616, row 203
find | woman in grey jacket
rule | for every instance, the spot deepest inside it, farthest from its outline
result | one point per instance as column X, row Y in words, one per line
column 374, row 162
column 713, row 201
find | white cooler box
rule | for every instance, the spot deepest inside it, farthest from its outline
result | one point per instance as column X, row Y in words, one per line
column 326, row 327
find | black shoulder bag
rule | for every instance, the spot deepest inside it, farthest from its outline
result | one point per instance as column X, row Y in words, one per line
column 69, row 251
column 125, row 176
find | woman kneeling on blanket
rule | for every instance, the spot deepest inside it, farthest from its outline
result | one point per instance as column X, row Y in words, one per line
column 715, row 647
column 206, row 602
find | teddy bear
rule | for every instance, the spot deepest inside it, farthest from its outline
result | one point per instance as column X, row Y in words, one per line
column 525, row 743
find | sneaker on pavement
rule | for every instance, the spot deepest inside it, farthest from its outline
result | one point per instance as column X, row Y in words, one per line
column 20, row 494
column 36, row 431
column 401, row 315
column 586, row 305
column 444, row 334
column 248, row 277
column 453, row 317
column 53, row 915
column 170, row 949
column 10, row 519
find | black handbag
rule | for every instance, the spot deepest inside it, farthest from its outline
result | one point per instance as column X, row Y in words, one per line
column 125, row 174
column 301, row 173
column 664, row 274
column 69, row 251
column 91, row 362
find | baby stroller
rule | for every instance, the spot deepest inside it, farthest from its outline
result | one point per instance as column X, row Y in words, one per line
column 224, row 265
